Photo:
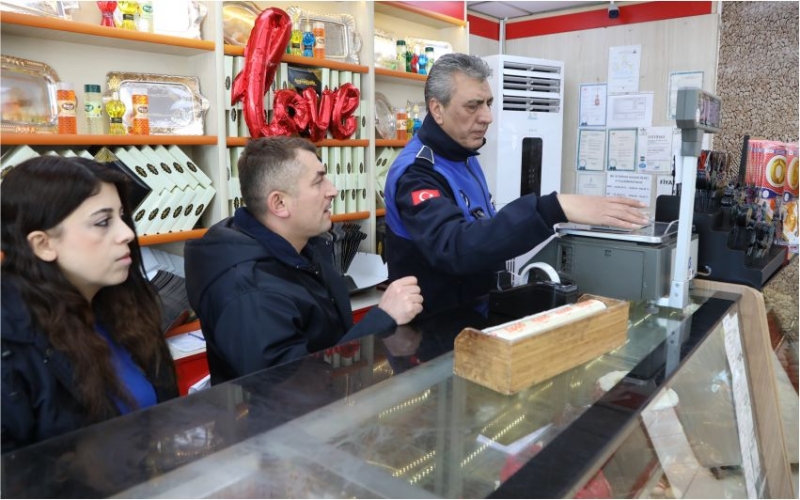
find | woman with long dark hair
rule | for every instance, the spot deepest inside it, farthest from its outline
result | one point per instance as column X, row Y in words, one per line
column 81, row 339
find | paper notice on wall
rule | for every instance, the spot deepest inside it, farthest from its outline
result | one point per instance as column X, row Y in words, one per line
column 630, row 110
column 664, row 185
column 655, row 150
column 592, row 184
column 623, row 69
column 636, row 186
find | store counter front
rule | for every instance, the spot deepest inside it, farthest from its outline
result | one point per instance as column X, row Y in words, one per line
column 392, row 420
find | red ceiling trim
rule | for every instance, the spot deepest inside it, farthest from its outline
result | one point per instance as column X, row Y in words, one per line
column 628, row 14
column 483, row 27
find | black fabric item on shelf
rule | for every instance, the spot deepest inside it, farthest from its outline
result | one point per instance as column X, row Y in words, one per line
column 171, row 290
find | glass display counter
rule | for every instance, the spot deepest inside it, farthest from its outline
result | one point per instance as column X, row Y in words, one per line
column 395, row 422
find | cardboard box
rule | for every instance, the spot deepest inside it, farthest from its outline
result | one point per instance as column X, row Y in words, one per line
column 511, row 366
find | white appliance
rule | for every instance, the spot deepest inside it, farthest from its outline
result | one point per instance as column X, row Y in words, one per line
column 523, row 146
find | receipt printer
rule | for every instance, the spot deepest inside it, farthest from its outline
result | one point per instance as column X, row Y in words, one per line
column 539, row 291
column 624, row 267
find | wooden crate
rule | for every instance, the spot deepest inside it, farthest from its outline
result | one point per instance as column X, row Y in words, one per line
column 508, row 367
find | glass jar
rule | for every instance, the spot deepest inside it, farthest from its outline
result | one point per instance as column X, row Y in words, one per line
column 67, row 102
column 141, row 120
column 318, row 29
column 93, row 109
column 400, row 64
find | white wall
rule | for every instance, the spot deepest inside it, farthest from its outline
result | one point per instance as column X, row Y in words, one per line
column 480, row 46
column 685, row 44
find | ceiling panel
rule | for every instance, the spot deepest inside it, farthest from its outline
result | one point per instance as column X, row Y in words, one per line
column 510, row 10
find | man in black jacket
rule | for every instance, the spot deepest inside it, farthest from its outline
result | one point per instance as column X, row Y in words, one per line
column 441, row 222
column 263, row 283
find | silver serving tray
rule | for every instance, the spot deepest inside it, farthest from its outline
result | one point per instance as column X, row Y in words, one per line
column 342, row 42
column 175, row 105
column 35, row 8
column 28, row 96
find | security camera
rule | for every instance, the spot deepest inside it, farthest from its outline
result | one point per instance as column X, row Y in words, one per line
column 613, row 11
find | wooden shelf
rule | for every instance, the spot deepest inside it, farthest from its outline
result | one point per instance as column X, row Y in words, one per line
column 390, row 74
column 419, row 15
column 235, row 50
column 90, row 34
column 380, row 212
column 330, row 143
column 158, row 239
column 350, row 217
column 105, row 140
column 390, row 143
column 184, row 328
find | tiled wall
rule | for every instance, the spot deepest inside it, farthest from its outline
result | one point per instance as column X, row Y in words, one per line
column 758, row 83
column 757, row 75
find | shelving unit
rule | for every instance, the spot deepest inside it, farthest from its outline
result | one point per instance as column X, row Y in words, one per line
column 82, row 51
column 106, row 140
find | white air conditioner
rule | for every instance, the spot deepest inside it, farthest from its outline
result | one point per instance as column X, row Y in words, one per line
column 523, row 146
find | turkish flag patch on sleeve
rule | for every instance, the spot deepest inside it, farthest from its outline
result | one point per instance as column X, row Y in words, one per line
column 418, row 197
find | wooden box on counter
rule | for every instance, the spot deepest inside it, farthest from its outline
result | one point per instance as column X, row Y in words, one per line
column 508, row 367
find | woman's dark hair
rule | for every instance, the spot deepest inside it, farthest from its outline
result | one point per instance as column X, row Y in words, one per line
column 37, row 195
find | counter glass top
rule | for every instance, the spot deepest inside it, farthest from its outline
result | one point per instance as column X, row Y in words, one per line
column 388, row 421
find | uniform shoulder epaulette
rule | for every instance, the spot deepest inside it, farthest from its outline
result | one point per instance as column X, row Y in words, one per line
column 426, row 153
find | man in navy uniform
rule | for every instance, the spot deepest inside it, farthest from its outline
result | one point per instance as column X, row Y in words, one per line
column 441, row 223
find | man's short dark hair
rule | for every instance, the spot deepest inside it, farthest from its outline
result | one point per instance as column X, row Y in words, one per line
column 270, row 164
column 440, row 85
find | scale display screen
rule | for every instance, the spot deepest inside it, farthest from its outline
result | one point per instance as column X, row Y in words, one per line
column 698, row 109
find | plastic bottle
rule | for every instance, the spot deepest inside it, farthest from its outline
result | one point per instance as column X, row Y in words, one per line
column 67, row 104
column 141, row 121
column 296, row 41
column 107, row 11
column 116, row 110
column 93, row 109
column 319, row 39
column 429, row 56
column 401, row 56
column 308, row 40
column 146, row 17
column 423, row 64
column 129, row 11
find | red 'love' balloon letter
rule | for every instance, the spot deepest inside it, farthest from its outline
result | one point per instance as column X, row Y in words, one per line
column 291, row 113
column 265, row 47
column 346, row 100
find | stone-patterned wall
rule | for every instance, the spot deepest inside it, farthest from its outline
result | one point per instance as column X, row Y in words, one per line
column 757, row 79
column 757, row 75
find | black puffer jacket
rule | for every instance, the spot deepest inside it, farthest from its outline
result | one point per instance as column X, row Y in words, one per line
column 38, row 391
column 260, row 303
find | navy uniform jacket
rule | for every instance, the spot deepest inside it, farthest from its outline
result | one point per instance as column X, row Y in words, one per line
column 454, row 256
column 39, row 398
column 261, row 303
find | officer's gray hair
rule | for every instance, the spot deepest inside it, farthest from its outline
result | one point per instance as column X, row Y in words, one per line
column 440, row 84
